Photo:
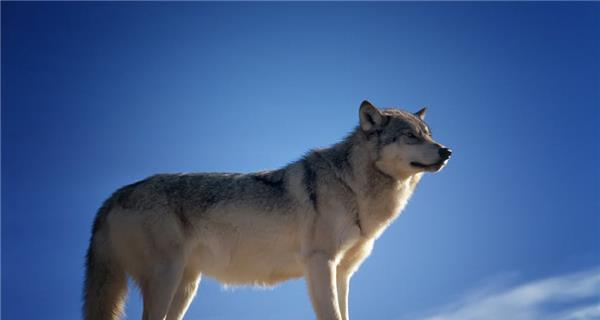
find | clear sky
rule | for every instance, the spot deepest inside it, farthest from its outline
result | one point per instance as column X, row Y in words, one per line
column 98, row 95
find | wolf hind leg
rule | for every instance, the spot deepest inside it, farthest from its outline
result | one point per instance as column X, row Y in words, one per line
column 158, row 290
column 185, row 294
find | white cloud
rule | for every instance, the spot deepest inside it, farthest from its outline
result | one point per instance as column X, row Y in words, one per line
column 585, row 312
column 567, row 297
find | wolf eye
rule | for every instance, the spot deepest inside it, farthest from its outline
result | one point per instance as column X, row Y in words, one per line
column 411, row 135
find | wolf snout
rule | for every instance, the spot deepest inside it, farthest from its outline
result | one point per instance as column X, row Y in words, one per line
column 445, row 153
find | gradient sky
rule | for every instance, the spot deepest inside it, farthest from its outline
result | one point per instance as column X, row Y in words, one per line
column 98, row 95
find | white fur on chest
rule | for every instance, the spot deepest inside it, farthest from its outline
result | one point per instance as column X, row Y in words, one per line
column 378, row 211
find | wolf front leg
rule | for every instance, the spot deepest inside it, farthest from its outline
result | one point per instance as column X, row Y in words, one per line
column 321, row 280
column 346, row 268
column 343, row 282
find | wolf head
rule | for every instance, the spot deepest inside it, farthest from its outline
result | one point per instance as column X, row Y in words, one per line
column 403, row 141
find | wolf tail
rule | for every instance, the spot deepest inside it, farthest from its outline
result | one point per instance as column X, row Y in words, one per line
column 105, row 280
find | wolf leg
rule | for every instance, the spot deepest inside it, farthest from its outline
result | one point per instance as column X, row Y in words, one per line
column 345, row 269
column 158, row 291
column 343, row 282
column 321, row 277
column 185, row 294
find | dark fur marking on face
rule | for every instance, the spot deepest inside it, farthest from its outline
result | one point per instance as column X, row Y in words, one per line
column 400, row 123
column 310, row 182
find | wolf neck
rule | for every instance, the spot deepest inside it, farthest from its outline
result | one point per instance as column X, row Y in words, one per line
column 380, row 198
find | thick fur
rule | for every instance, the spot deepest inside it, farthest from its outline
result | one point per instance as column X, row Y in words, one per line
column 316, row 218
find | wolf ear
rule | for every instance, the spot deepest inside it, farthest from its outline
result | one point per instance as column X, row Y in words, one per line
column 421, row 113
column 370, row 117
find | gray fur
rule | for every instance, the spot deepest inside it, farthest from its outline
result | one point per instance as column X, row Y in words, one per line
column 310, row 179
column 329, row 202
column 194, row 193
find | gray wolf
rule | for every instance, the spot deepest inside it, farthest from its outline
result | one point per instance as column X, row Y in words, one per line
column 316, row 218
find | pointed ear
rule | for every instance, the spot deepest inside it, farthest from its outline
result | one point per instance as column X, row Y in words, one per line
column 371, row 118
column 421, row 113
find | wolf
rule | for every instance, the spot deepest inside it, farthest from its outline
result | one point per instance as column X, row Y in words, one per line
column 316, row 218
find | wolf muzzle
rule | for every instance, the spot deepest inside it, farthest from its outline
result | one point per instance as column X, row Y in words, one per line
column 445, row 153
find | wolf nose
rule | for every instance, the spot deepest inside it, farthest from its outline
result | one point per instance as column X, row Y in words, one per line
column 445, row 153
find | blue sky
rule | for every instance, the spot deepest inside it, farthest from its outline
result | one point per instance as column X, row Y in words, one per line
column 98, row 95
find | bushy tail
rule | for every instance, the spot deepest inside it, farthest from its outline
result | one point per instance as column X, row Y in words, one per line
column 105, row 285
